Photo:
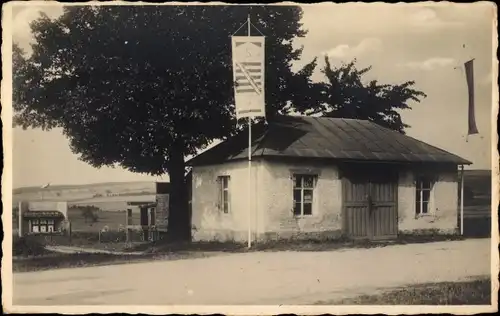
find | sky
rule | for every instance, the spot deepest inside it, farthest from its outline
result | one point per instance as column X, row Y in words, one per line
column 400, row 41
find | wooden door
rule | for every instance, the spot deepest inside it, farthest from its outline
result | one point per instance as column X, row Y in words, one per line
column 369, row 203
column 356, row 207
column 383, row 206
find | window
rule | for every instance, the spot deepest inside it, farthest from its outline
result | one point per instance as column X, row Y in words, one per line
column 42, row 226
column 423, row 195
column 35, row 226
column 303, row 190
column 224, row 205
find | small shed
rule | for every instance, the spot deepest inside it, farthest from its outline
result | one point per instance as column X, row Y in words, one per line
column 322, row 177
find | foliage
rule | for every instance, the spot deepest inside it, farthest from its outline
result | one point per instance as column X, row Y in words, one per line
column 125, row 95
column 79, row 260
column 346, row 95
column 90, row 214
column 26, row 247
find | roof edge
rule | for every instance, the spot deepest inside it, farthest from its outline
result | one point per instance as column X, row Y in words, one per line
column 271, row 156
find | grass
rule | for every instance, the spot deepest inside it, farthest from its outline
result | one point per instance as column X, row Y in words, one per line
column 31, row 255
column 286, row 245
column 79, row 260
column 474, row 292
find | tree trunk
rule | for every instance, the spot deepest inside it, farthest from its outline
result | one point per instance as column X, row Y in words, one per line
column 178, row 219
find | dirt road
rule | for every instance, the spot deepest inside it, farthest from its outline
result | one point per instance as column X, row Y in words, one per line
column 256, row 278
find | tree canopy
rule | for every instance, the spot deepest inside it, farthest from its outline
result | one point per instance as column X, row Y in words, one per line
column 344, row 94
column 142, row 87
column 127, row 84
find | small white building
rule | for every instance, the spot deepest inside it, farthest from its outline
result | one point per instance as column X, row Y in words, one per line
column 324, row 178
column 42, row 217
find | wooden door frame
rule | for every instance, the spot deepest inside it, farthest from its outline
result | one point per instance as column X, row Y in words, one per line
column 396, row 204
column 370, row 236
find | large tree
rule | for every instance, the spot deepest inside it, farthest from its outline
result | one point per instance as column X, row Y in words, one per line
column 142, row 87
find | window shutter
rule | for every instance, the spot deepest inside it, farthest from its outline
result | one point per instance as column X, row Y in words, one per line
column 228, row 194
column 219, row 193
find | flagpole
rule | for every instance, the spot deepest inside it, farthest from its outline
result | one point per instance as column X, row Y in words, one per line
column 462, row 200
column 249, row 165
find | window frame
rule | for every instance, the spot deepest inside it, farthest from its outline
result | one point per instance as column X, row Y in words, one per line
column 223, row 185
column 42, row 226
column 303, row 188
column 35, row 223
column 423, row 184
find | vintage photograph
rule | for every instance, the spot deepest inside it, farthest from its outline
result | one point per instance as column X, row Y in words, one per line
column 229, row 158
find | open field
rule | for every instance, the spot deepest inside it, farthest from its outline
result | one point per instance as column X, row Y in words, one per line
column 73, row 193
column 115, row 199
column 113, row 220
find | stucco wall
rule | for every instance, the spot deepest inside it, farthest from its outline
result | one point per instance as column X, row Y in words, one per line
column 208, row 222
column 443, row 207
column 279, row 220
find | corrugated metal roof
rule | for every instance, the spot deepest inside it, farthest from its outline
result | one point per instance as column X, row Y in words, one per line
column 331, row 138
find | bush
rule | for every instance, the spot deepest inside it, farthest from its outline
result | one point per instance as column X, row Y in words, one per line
column 84, row 237
column 88, row 238
column 113, row 236
column 89, row 213
column 25, row 246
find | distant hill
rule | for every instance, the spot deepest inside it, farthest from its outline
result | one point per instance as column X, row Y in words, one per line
column 83, row 191
column 478, row 180
column 77, row 186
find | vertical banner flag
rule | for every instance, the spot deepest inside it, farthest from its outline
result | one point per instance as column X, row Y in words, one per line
column 248, row 72
column 469, row 74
